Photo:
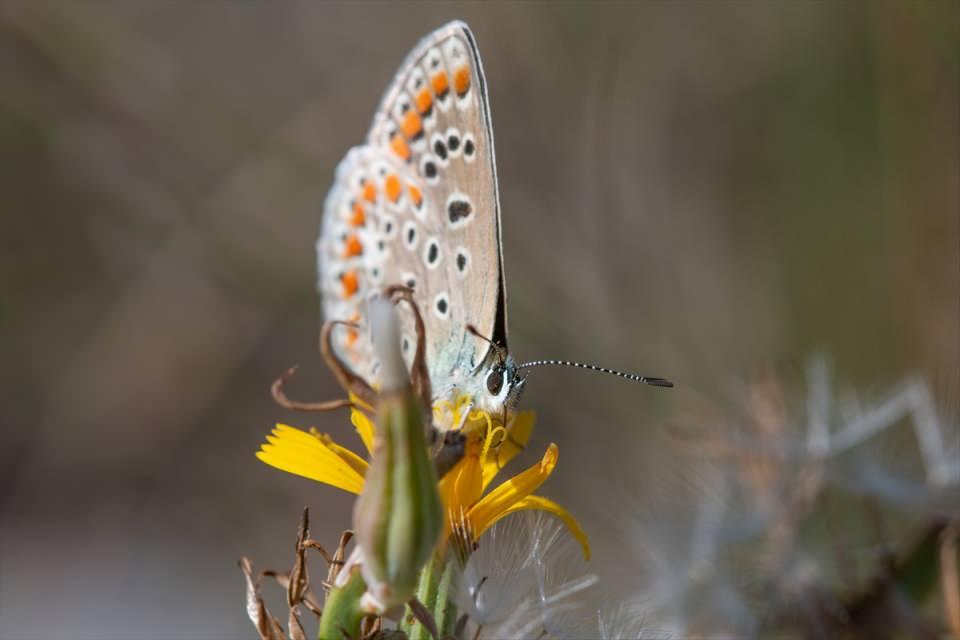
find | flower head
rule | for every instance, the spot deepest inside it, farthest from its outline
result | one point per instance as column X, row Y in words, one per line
column 470, row 509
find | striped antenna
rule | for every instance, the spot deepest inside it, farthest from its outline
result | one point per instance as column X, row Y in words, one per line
column 655, row 382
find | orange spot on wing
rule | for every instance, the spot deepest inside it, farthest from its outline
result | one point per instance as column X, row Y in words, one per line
column 392, row 187
column 369, row 192
column 350, row 283
column 441, row 84
column 424, row 101
column 411, row 126
column 359, row 216
column 352, row 247
column 461, row 81
column 415, row 195
column 399, row 146
column 352, row 336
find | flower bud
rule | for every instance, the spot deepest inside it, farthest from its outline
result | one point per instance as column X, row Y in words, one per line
column 398, row 517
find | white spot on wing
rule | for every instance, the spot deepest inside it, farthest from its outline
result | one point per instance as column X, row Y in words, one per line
column 433, row 64
column 416, row 81
column 401, row 106
column 455, row 53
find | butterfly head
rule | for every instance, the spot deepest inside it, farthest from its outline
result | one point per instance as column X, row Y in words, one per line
column 498, row 381
column 503, row 383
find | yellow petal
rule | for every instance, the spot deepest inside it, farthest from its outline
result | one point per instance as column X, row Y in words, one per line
column 364, row 427
column 495, row 503
column 461, row 487
column 303, row 454
column 355, row 399
column 357, row 463
column 518, row 435
column 539, row 503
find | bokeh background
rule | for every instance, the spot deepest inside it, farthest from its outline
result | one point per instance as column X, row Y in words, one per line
column 697, row 190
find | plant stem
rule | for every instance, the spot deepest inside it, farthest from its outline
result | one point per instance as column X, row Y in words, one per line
column 445, row 608
column 436, row 591
column 341, row 613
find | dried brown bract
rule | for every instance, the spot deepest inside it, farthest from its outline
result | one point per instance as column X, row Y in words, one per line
column 267, row 626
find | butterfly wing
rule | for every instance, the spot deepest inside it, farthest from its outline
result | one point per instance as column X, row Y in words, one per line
column 418, row 205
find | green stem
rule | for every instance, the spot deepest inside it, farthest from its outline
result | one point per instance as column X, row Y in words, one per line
column 436, row 590
column 341, row 613
column 445, row 606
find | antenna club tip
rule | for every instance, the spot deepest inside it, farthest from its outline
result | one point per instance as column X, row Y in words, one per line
column 659, row 382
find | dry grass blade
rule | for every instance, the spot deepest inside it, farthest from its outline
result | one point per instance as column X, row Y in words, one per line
column 338, row 558
column 283, row 579
column 294, row 624
column 299, row 581
column 461, row 627
column 298, row 575
column 311, row 603
column 344, row 374
column 950, row 576
column 267, row 626
column 280, row 396
column 370, row 627
column 424, row 617
column 419, row 373
column 313, row 544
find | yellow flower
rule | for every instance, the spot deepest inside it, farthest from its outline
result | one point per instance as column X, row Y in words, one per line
column 470, row 512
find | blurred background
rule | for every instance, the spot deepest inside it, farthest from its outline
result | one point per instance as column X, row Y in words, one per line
column 704, row 191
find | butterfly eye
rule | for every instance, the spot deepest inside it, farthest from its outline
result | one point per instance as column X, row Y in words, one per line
column 495, row 381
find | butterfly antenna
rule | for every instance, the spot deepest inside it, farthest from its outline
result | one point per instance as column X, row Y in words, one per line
column 654, row 382
column 501, row 352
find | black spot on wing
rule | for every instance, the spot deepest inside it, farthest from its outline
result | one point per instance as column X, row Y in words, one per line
column 458, row 210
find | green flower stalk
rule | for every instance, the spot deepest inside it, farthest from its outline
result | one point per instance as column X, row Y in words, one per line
column 436, row 591
column 398, row 517
column 342, row 613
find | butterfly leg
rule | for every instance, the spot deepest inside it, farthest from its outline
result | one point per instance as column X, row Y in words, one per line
column 453, row 444
column 419, row 374
column 347, row 378
column 280, row 396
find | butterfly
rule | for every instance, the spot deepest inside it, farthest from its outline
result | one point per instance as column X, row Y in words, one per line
column 414, row 211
